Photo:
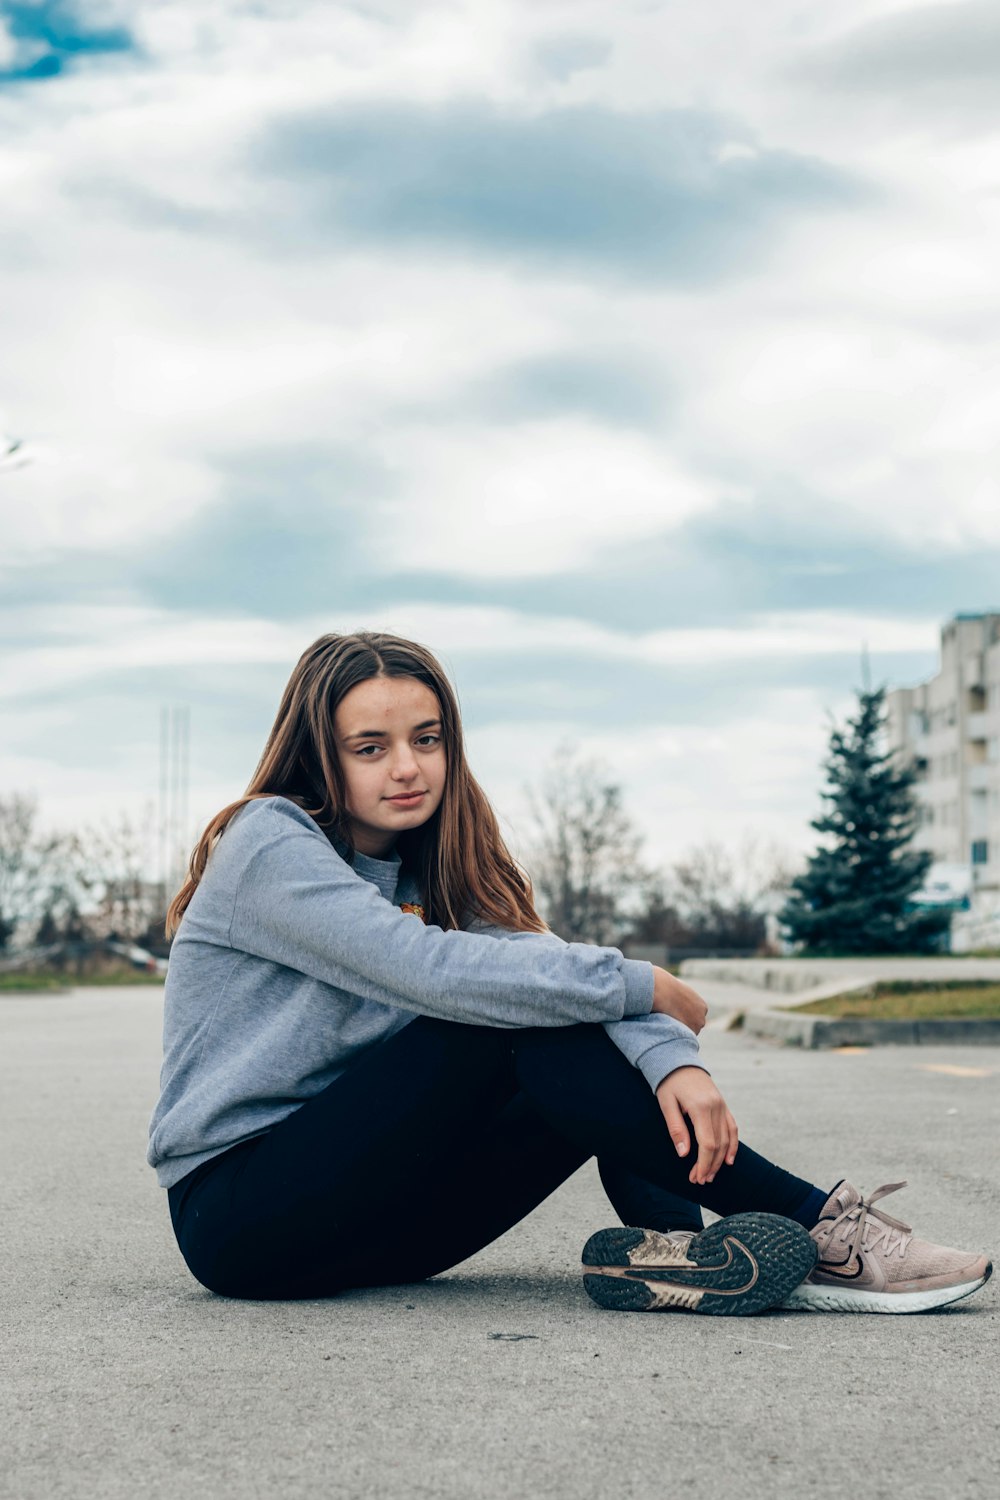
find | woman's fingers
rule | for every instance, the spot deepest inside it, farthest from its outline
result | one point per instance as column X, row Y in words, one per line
column 721, row 1135
column 734, row 1139
column 715, row 1133
column 723, row 1149
column 720, row 1141
column 676, row 1127
column 691, row 1104
column 702, row 1118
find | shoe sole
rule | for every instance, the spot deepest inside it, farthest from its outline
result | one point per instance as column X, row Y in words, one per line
column 739, row 1266
column 815, row 1298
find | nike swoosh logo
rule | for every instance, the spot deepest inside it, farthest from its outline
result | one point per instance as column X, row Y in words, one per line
column 738, row 1261
column 848, row 1273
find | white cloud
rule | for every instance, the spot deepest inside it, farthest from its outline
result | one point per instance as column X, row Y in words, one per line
column 684, row 781
column 77, row 644
column 527, row 500
column 8, row 46
column 146, row 342
column 143, row 352
column 91, row 642
column 682, row 784
column 737, row 151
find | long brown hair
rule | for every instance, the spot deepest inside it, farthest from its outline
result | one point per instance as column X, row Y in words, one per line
column 458, row 855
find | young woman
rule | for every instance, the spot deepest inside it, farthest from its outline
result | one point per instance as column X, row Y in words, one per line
column 377, row 1059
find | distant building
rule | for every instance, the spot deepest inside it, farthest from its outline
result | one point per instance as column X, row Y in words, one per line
column 949, row 727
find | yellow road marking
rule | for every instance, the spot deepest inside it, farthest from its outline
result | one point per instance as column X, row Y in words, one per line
column 851, row 1051
column 955, row 1071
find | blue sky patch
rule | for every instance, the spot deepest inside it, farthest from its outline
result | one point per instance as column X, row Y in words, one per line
column 50, row 35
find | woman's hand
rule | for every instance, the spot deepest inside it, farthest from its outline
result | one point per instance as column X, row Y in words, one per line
column 673, row 998
column 690, row 1092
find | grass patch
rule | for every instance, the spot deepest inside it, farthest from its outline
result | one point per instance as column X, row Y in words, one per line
column 109, row 981
column 20, row 982
column 41, row 981
column 911, row 1000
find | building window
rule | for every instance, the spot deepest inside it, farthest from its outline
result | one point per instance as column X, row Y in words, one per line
column 980, row 851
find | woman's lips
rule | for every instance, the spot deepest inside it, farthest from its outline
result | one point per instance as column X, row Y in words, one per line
column 407, row 799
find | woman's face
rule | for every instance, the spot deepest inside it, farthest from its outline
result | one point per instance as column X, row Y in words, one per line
column 389, row 739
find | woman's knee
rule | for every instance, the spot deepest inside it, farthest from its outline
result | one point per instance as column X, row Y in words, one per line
column 578, row 1079
column 570, row 1055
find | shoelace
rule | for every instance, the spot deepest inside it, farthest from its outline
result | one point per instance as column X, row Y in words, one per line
column 865, row 1227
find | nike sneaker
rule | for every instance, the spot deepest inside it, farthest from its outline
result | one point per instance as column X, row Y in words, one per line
column 743, row 1264
column 869, row 1262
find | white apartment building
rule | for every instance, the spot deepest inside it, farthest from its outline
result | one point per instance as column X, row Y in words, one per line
column 950, row 727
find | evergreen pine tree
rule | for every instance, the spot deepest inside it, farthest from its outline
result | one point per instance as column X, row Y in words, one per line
column 855, row 895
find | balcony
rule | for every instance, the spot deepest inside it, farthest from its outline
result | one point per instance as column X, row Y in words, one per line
column 981, row 777
column 972, row 670
column 975, row 726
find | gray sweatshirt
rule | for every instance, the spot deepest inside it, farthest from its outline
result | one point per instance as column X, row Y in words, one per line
column 289, row 962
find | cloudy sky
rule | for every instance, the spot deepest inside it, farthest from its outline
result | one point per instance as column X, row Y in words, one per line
column 642, row 358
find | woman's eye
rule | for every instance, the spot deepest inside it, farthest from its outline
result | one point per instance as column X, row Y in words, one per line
column 425, row 742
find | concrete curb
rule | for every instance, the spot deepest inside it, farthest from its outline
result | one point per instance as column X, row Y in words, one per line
column 799, row 975
column 813, row 1032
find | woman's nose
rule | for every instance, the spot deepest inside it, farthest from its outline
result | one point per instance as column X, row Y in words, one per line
column 404, row 766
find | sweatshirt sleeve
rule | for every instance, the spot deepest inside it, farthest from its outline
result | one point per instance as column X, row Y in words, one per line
column 297, row 903
column 654, row 1043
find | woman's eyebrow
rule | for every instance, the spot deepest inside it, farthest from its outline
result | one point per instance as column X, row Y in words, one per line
column 379, row 734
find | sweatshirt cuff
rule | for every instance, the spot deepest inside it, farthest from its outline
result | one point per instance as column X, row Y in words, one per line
column 638, row 977
column 666, row 1057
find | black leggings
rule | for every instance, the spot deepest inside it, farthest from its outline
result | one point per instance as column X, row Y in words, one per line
column 432, row 1144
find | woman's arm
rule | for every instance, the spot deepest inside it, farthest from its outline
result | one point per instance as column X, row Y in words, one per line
column 657, row 1044
column 297, row 903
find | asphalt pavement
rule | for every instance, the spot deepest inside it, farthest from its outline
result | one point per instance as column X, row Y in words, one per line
column 121, row 1377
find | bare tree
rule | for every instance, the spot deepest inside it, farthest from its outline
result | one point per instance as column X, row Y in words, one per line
column 28, row 866
column 113, row 862
column 657, row 920
column 723, row 895
column 584, row 856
